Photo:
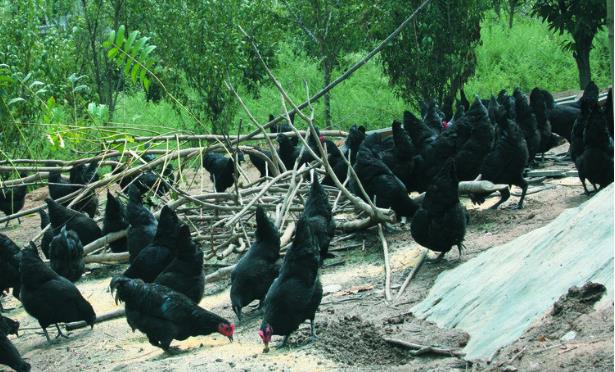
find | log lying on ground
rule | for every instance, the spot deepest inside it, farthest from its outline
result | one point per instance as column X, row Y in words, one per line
column 418, row 349
column 103, row 318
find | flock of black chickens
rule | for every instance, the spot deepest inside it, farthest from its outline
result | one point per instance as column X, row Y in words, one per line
column 164, row 282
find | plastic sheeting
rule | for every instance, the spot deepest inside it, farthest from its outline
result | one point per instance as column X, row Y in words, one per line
column 498, row 294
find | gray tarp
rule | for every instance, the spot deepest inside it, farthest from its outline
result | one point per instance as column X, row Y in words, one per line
column 498, row 294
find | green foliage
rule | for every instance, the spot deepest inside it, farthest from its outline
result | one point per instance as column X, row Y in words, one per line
column 131, row 54
column 434, row 55
column 506, row 60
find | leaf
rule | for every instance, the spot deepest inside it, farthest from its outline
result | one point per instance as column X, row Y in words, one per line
column 146, row 84
column 107, row 44
column 51, row 101
column 35, row 84
column 119, row 39
column 15, row 100
column 143, row 75
column 112, row 52
column 131, row 39
column 134, row 73
column 40, row 91
column 81, row 88
column 110, row 39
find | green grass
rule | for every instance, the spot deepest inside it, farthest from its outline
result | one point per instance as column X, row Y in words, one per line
column 529, row 55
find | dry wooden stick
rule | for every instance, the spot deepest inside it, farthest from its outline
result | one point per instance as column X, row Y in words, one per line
column 387, row 264
column 418, row 349
column 415, row 269
column 99, row 319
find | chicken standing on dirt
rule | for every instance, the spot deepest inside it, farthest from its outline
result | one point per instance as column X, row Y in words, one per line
column 154, row 258
column 12, row 199
column 165, row 315
column 221, row 170
column 538, row 102
column 47, row 235
column 10, row 255
column 318, row 214
column 259, row 163
column 506, row 162
column 66, row 255
column 527, row 122
column 9, row 356
column 595, row 161
column 441, row 221
column 115, row 220
column 256, row 270
column 142, row 222
column 49, row 297
column 60, row 216
column 185, row 273
column 296, row 293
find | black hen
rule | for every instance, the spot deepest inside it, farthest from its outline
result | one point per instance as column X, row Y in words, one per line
column 221, row 170
column 433, row 117
column 60, row 216
column 49, row 297
column 9, row 265
column 527, row 122
column 587, row 101
column 595, row 163
column 539, row 102
column 506, row 161
column 9, row 326
column 13, row 198
column 165, row 315
column 256, row 270
column 337, row 163
column 261, row 164
column 296, row 293
column 356, row 136
column 115, row 220
column 318, row 214
column 66, row 255
column 440, row 223
column 155, row 257
column 142, row 222
column 185, row 273
column 282, row 127
column 422, row 136
column 381, row 184
column 288, row 150
column 9, row 356
column 561, row 116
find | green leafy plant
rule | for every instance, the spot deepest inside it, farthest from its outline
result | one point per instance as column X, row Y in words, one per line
column 132, row 54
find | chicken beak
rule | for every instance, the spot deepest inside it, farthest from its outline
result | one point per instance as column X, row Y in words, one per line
column 230, row 338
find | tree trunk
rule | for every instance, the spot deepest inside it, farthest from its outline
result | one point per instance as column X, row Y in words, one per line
column 609, row 22
column 327, row 98
column 512, row 5
column 581, row 56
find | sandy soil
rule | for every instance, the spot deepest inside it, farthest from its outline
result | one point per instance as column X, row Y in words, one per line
column 353, row 318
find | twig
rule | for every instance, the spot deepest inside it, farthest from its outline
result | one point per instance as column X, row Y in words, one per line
column 387, row 264
column 419, row 349
column 415, row 269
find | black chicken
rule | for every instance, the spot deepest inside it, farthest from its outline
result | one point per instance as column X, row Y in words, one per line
column 538, row 102
column 49, row 297
column 10, row 255
column 296, row 293
column 165, row 315
column 261, row 164
column 221, row 170
column 318, row 214
column 185, row 273
column 66, row 255
column 9, row 356
column 142, row 222
column 595, row 162
column 60, row 216
column 577, row 144
column 155, row 257
column 441, row 221
column 561, row 116
column 115, row 220
column 282, row 127
column 527, row 122
column 288, row 150
column 507, row 160
column 256, row 270
column 12, row 199
column 381, row 184
column 421, row 135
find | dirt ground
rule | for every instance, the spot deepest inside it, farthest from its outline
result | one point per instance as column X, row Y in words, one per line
column 353, row 319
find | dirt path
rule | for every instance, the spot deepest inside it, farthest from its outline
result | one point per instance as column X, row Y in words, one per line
column 351, row 321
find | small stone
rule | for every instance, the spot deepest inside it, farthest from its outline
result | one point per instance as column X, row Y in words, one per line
column 231, row 364
column 219, row 360
column 570, row 335
column 509, row 368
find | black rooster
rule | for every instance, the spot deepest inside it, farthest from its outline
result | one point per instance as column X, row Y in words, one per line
column 165, row 315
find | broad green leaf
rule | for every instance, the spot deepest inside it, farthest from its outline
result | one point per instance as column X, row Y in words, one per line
column 131, row 39
column 112, row 52
column 146, row 84
column 134, row 72
column 119, row 39
column 110, row 38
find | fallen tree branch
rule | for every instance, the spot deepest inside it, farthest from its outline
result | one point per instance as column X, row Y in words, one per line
column 99, row 319
column 418, row 349
column 415, row 269
column 387, row 264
